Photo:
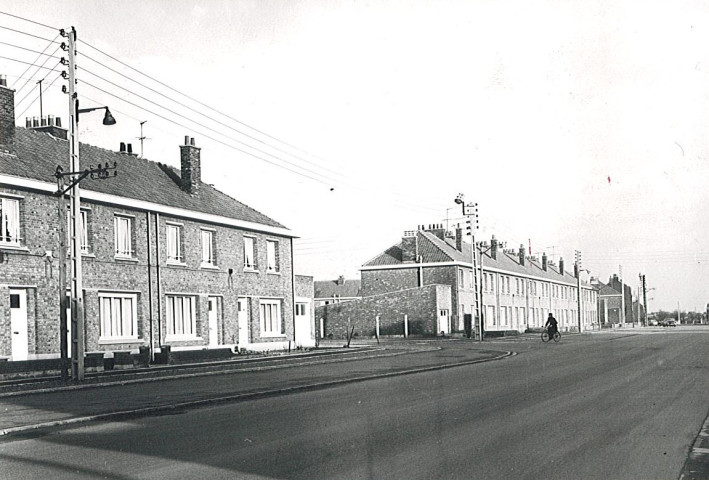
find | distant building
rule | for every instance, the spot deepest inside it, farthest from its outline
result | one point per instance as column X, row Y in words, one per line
column 518, row 291
column 336, row 291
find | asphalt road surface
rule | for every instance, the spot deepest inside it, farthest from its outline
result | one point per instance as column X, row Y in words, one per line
column 605, row 406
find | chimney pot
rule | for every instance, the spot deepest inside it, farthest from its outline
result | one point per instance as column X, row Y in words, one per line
column 28, row 122
column 544, row 261
column 35, row 122
column 50, row 120
column 58, row 122
column 187, row 139
column 129, row 148
column 192, row 141
column 123, row 147
column 3, row 81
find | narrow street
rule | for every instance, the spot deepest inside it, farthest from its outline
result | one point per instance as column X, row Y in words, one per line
column 618, row 405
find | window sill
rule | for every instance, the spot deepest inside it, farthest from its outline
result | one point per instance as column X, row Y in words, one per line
column 15, row 247
column 273, row 272
column 208, row 266
column 175, row 263
column 116, row 341
column 126, row 259
column 272, row 335
column 250, row 270
column 182, row 338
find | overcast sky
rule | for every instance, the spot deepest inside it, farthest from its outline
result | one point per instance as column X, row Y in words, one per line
column 575, row 125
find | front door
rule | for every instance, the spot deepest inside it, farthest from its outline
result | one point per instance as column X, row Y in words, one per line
column 18, row 324
column 213, row 322
column 242, row 315
column 303, row 325
column 443, row 323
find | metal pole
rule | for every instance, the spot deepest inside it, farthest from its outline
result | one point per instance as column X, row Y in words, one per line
column 61, row 254
column 479, row 288
column 77, row 293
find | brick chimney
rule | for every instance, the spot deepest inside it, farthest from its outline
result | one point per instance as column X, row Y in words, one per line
column 493, row 248
column 520, row 254
column 438, row 230
column 7, row 118
column 459, row 239
column 48, row 124
column 341, row 280
column 191, row 166
column 409, row 247
column 544, row 261
column 561, row 265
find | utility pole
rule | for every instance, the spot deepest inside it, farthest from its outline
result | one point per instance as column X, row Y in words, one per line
column 41, row 112
column 63, row 347
column 470, row 211
column 76, row 175
column 577, row 254
column 622, row 296
column 644, row 284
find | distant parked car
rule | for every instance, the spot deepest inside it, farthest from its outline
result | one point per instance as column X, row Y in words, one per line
column 652, row 323
column 668, row 323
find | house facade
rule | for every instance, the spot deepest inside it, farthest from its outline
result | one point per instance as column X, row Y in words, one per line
column 518, row 292
column 167, row 259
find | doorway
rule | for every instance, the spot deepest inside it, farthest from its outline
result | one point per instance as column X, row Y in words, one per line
column 18, row 325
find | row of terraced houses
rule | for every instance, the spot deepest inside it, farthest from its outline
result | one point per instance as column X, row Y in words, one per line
column 426, row 284
column 168, row 260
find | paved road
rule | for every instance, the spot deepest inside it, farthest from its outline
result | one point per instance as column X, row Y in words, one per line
column 618, row 406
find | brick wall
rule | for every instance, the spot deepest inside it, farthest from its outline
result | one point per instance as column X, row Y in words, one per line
column 422, row 305
column 147, row 275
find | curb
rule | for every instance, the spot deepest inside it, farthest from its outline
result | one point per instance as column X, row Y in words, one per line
column 696, row 467
column 237, row 397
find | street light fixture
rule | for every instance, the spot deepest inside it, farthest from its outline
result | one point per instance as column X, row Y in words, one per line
column 107, row 118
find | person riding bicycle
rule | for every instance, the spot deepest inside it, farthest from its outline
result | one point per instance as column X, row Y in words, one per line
column 551, row 325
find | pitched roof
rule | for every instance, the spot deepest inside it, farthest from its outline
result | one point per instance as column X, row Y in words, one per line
column 38, row 155
column 434, row 250
column 330, row 288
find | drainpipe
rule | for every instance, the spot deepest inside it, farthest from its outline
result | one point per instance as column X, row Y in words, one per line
column 157, row 275
column 150, row 291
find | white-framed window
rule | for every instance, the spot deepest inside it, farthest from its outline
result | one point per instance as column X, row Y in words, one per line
column 181, row 321
column 271, row 324
column 207, row 239
column 272, row 257
column 249, row 253
column 9, row 221
column 118, row 316
column 461, row 278
column 123, row 236
column 173, row 243
column 83, row 234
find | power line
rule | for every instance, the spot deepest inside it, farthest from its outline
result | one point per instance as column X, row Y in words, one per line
column 28, row 20
column 24, row 33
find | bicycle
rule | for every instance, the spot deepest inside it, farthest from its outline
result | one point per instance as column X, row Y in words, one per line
column 545, row 335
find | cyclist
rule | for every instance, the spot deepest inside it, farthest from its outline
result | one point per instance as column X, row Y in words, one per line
column 551, row 326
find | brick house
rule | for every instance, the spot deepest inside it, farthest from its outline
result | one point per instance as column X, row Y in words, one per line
column 336, row 291
column 518, row 291
column 167, row 259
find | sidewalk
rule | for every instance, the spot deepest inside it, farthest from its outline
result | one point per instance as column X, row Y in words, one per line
column 114, row 395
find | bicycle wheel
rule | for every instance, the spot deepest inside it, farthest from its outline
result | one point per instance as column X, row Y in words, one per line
column 545, row 336
column 557, row 336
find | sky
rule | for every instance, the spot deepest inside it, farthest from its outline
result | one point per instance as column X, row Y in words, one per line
column 573, row 125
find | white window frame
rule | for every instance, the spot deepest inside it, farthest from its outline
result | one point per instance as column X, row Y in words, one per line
column 84, row 234
column 10, row 222
column 173, row 243
column 249, row 253
column 180, row 317
column 123, row 237
column 207, row 242
column 111, row 305
column 271, row 256
column 270, row 326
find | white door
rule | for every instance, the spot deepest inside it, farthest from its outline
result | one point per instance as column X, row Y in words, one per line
column 443, row 323
column 242, row 316
column 303, row 325
column 18, row 324
column 69, row 343
column 213, row 323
